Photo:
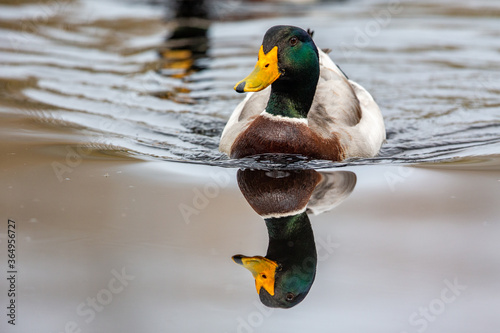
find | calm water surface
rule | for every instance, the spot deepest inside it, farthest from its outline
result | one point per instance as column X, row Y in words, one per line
column 101, row 100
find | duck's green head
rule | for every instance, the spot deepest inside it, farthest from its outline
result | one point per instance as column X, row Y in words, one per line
column 285, row 275
column 280, row 285
column 287, row 55
column 292, row 284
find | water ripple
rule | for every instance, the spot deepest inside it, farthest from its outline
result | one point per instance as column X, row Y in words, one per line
column 162, row 88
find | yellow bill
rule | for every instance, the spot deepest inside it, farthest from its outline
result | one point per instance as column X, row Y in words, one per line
column 262, row 269
column 265, row 72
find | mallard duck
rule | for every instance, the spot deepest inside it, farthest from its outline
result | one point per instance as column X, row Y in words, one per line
column 285, row 275
column 300, row 102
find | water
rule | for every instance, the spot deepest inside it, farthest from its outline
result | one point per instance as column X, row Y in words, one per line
column 158, row 90
column 99, row 98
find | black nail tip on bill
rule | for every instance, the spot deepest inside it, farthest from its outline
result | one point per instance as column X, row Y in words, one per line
column 240, row 88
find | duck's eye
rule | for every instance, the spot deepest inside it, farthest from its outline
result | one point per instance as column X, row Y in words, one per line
column 290, row 297
column 294, row 41
column 264, row 276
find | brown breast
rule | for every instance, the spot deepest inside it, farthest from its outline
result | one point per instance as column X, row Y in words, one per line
column 266, row 135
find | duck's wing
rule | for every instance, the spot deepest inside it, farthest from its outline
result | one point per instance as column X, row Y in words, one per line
column 343, row 107
column 335, row 103
column 371, row 128
column 333, row 188
column 253, row 105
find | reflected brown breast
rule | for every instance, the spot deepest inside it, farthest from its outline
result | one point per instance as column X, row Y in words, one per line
column 271, row 195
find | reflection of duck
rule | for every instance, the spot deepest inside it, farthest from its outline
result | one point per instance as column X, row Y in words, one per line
column 311, row 108
column 285, row 275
